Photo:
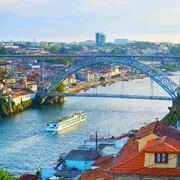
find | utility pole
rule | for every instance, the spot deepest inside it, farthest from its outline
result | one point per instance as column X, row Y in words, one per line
column 96, row 142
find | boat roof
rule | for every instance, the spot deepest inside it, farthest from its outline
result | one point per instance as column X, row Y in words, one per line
column 59, row 119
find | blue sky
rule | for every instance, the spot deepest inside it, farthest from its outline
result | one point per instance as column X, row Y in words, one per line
column 78, row 20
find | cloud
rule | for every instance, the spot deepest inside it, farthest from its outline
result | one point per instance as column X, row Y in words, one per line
column 33, row 8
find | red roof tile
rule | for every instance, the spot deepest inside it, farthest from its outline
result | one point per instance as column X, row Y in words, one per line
column 130, row 135
column 129, row 150
column 95, row 174
column 163, row 144
column 28, row 177
column 101, row 172
column 160, row 129
column 15, row 96
column 136, row 166
column 103, row 160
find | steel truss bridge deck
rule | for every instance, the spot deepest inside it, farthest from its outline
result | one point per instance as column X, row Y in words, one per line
column 90, row 56
column 122, row 96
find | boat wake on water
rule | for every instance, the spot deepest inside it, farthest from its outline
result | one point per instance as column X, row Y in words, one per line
column 28, row 141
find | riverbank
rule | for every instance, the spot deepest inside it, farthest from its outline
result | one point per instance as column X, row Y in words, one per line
column 8, row 108
column 94, row 84
column 78, row 88
column 172, row 117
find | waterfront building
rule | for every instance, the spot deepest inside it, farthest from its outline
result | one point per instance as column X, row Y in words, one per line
column 5, row 65
column 4, row 89
column 155, row 130
column 17, row 96
column 159, row 159
column 32, row 85
column 10, row 82
column 81, row 159
column 99, row 169
column 150, row 154
column 21, row 83
column 100, row 39
column 85, row 75
column 32, row 50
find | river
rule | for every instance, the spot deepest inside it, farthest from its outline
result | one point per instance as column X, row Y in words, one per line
column 24, row 146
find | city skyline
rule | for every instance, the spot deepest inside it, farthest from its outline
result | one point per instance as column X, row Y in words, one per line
column 68, row 21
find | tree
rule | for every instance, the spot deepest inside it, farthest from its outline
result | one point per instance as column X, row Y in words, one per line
column 60, row 88
column 4, row 175
column 63, row 50
column 102, row 78
column 54, row 49
column 4, row 50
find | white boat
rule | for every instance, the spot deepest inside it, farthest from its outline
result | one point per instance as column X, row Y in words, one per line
column 65, row 122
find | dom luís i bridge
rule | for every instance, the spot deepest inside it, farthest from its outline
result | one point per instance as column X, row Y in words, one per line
column 81, row 61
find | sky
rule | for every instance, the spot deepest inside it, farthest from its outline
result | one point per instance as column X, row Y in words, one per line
column 79, row 20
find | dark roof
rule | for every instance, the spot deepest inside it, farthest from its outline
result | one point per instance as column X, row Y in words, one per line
column 160, row 129
column 83, row 155
column 102, row 146
column 28, row 177
column 68, row 174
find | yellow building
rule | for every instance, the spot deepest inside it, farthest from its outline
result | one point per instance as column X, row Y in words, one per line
column 159, row 159
column 11, row 82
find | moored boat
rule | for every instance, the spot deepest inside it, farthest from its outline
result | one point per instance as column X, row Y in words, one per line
column 65, row 122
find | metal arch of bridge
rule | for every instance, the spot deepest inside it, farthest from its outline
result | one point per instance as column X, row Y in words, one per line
column 166, row 83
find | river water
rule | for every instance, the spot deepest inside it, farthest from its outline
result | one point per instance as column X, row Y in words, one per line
column 25, row 146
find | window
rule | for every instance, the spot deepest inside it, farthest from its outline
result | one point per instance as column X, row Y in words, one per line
column 161, row 158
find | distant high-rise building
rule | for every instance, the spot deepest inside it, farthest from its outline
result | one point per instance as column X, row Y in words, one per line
column 122, row 41
column 100, row 39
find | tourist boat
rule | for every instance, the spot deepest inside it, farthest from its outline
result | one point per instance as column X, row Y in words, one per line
column 65, row 122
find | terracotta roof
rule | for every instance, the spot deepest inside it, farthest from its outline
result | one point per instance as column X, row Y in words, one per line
column 95, row 174
column 130, row 135
column 8, row 93
column 160, row 129
column 28, row 177
column 103, row 160
column 129, row 150
column 136, row 166
column 15, row 96
column 101, row 172
column 163, row 144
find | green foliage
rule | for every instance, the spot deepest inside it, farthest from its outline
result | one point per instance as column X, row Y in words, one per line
column 7, row 108
column 134, row 130
column 132, row 72
column 63, row 50
column 175, row 50
column 54, row 49
column 171, row 67
column 38, row 173
column 73, row 84
column 102, row 78
column 4, row 175
column 60, row 88
column 116, row 76
column 4, row 50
